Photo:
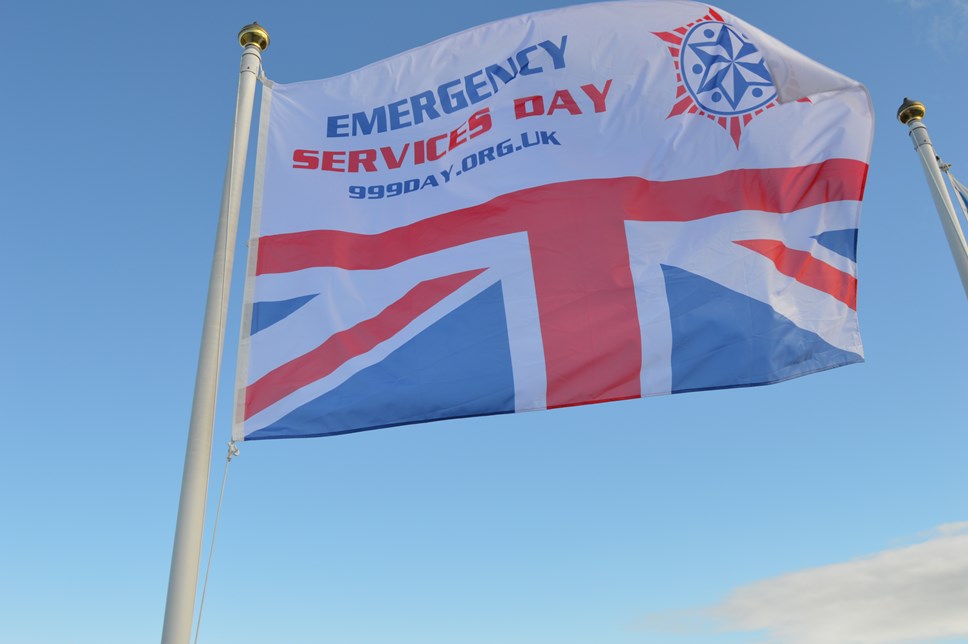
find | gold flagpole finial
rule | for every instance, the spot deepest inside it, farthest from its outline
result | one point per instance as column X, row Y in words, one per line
column 254, row 34
column 910, row 110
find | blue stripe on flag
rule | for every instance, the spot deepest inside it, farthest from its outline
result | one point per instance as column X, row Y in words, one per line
column 842, row 242
column 459, row 366
column 265, row 314
column 961, row 195
column 721, row 338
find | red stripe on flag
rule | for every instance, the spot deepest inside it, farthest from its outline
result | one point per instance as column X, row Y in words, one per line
column 777, row 190
column 807, row 269
column 352, row 342
column 579, row 254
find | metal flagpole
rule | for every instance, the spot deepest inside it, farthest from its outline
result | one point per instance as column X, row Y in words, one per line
column 910, row 113
column 186, row 553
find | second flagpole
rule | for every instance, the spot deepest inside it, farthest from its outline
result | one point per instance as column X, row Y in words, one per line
column 910, row 113
column 186, row 552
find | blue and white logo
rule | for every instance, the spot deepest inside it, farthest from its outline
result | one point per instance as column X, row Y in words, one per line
column 723, row 72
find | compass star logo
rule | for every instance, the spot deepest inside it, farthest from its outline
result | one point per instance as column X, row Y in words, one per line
column 720, row 74
column 724, row 73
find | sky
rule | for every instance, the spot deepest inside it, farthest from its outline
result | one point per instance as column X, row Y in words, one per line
column 826, row 509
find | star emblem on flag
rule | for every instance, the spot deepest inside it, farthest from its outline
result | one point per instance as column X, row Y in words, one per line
column 720, row 74
column 729, row 69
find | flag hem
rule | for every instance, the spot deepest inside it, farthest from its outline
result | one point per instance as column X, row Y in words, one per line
column 258, row 185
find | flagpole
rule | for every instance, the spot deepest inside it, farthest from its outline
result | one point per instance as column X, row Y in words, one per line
column 186, row 552
column 911, row 114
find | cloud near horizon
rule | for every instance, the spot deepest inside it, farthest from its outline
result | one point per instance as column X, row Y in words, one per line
column 941, row 24
column 916, row 593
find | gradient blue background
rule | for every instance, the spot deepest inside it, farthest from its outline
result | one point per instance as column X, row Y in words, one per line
column 565, row 527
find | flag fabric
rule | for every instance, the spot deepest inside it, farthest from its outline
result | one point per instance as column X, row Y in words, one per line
column 588, row 204
column 962, row 193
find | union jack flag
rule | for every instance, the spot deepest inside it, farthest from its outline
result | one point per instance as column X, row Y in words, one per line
column 700, row 261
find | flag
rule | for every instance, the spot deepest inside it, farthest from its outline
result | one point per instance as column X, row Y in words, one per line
column 961, row 191
column 582, row 205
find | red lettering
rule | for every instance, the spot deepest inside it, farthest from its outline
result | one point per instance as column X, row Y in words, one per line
column 364, row 158
column 418, row 152
column 330, row 159
column 394, row 162
column 305, row 159
column 479, row 123
column 563, row 100
column 455, row 137
column 393, row 158
column 598, row 97
column 528, row 106
column 432, row 153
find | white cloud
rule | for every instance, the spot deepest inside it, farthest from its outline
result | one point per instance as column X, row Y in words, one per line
column 914, row 4
column 940, row 23
column 952, row 528
column 951, row 5
column 918, row 593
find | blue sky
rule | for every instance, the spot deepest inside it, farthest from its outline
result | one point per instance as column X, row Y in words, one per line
column 826, row 509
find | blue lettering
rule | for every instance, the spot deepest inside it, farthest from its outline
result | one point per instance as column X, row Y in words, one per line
column 397, row 113
column 451, row 102
column 524, row 63
column 362, row 125
column 421, row 103
column 472, row 87
column 452, row 96
column 334, row 125
column 548, row 138
column 557, row 52
column 505, row 76
column 526, row 139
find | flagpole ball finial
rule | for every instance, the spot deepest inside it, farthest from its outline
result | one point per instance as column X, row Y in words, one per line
column 910, row 110
column 254, row 34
